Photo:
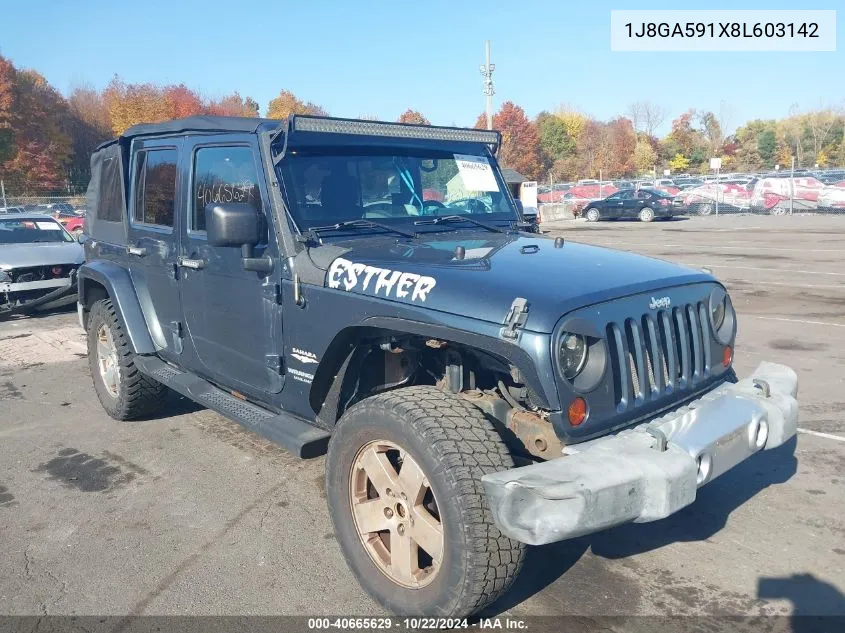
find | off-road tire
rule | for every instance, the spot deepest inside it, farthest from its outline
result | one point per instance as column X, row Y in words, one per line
column 454, row 445
column 647, row 214
column 592, row 214
column 138, row 395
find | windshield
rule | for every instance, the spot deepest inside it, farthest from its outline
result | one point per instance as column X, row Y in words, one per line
column 29, row 230
column 326, row 187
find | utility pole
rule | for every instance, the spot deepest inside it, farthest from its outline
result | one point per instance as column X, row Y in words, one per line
column 487, row 72
column 792, row 188
column 3, row 192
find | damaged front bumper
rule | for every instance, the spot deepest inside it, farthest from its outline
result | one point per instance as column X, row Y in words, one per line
column 57, row 292
column 650, row 471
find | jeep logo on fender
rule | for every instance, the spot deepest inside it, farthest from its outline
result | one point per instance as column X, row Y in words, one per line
column 383, row 281
column 662, row 302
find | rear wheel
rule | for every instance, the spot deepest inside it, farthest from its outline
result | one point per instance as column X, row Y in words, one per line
column 403, row 477
column 646, row 214
column 705, row 209
column 124, row 392
column 592, row 214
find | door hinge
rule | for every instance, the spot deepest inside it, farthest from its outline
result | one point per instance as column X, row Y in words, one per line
column 515, row 319
column 274, row 363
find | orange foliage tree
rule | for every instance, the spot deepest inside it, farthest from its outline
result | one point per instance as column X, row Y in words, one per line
column 288, row 103
column 413, row 116
column 520, row 148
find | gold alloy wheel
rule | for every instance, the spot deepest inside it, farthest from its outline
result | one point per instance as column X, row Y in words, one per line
column 107, row 360
column 395, row 514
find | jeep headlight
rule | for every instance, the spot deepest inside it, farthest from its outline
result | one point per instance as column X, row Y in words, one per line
column 722, row 316
column 572, row 354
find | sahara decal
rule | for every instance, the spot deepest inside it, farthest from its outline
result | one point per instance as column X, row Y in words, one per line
column 349, row 276
column 303, row 356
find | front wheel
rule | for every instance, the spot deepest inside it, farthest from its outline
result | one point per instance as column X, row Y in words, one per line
column 403, row 480
column 592, row 214
column 646, row 214
column 124, row 392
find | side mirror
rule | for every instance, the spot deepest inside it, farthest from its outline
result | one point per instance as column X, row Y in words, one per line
column 232, row 224
column 237, row 224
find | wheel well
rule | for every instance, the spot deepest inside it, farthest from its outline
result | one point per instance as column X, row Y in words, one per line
column 363, row 361
column 92, row 292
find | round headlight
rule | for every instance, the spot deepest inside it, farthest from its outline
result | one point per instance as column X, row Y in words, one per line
column 573, row 355
column 717, row 313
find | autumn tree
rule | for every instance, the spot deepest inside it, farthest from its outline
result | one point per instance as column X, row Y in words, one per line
column 288, row 103
column 35, row 146
column 233, row 105
column 413, row 116
column 90, row 125
column 520, row 148
column 182, row 102
column 645, row 157
column 679, row 162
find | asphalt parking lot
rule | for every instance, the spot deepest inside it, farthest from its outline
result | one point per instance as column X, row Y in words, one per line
column 189, row 514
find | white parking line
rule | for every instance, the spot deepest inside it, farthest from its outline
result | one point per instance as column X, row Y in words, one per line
column 826, row 436
column 771, row 318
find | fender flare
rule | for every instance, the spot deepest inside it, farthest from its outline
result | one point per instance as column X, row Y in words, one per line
column 332, row 369
column 118, row 284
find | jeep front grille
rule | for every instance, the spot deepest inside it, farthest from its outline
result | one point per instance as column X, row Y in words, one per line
column 660, row 353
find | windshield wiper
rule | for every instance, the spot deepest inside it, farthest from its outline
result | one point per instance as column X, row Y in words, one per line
column 360, row 224
column 461, row 218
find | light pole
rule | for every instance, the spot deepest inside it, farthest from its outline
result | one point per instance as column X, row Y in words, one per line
column 487, row 72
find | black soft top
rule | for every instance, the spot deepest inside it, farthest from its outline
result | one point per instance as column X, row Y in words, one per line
column 248, row 125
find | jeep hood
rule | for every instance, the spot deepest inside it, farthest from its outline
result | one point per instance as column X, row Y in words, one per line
column 40, row 254
column 496, row 269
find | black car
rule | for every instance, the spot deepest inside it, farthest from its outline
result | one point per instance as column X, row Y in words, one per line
column 363, row 289
column 645, row 204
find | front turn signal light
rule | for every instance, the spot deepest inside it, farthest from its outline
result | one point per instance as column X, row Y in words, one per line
column 727, row 356
column 577, row 411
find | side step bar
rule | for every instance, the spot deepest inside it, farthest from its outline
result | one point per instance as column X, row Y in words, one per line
column 295, row 434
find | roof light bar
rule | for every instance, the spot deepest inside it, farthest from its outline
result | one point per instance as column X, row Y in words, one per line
column 397, row 130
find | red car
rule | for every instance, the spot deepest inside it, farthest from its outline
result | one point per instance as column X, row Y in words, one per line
column 73, row 223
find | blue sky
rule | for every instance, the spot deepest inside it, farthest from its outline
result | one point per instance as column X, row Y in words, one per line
column 378, row 58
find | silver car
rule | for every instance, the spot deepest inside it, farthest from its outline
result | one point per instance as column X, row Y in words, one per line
column 38, row 264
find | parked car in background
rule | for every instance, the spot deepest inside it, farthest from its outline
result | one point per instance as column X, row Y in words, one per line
column 645, row 204
column 72, row 222
column 6, row 210
column 38, row 264
column 702, row 200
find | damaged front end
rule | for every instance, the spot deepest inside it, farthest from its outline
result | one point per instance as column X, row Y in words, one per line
column 31, row 288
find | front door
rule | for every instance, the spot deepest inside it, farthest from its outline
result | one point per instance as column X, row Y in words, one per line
column 153, row 238
column 232, row 316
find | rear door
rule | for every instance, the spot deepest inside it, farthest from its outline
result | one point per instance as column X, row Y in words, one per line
column 612, row 204
column 232, row 316
column 153, row 236
column 637, row 202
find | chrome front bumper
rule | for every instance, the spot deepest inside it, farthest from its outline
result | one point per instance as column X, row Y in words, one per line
column 650, row 471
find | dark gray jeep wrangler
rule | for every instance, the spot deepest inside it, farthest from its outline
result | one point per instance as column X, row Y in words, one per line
column 364, row 288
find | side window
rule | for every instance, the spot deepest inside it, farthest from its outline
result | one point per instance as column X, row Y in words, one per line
column 110, row 207
column 221, row 175
column 155, row 186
